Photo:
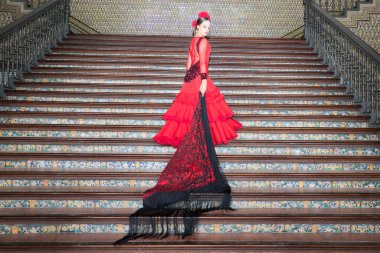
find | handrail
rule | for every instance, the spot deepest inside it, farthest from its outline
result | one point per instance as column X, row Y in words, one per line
column 27, row 39
column 357, row 64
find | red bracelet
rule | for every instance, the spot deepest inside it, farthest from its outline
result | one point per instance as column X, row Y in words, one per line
column 203, row 76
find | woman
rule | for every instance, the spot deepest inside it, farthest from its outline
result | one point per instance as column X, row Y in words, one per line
column 192, row 181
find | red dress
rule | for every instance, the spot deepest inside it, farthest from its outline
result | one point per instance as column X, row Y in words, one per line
column 178, row 116
column 192, row 182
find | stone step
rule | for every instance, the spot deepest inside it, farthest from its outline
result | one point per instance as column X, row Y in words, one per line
column 211, row 243
column 271, row 54
column 147, row 146
column 19, row 181
column 158, row 39
column 184, row 42
column 103, row 97
column 232, row 158
column 96, row 197
column 170, row 86
column 128, row 131
column 27, row 106
column 214, row 222
column 166, row 80
column 168, row 98
column 174, row 90
column 156, row 61
column 179, row 74
column 130, row 119
column 217, row 49
column 294, row 165
column 114, row 69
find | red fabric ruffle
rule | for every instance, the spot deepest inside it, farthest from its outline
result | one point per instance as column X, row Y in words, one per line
column 178, row 116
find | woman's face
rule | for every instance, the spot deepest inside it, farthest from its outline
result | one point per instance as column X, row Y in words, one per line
column 204, row 28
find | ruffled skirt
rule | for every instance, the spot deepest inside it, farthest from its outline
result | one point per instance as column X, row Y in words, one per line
column 178, row 116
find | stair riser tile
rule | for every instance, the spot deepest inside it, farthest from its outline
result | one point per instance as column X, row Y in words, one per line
column 238, row 204
column 64, row 60
column 15, row 185
column 136, row 149
column 201, row 228
column 311, row 101
column 155, row 166
column 174, row 70
column 178, row 68
column 56, row 54
column 256, row 123
column 149, row 135
column 159, row 82
column 149, row 110
column 175, row 91
column 178, row 76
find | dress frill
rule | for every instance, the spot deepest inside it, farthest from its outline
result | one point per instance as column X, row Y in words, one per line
column 178, row 117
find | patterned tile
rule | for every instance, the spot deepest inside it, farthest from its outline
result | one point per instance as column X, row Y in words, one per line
column 120, row 166
column 78, row 203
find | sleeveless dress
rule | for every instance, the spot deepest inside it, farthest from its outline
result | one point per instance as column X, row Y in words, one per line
column 179, row 115
column 192, row 182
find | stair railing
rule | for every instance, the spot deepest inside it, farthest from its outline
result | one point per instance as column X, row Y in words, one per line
column 29, row 38
column 351, row 59
column 339, row 7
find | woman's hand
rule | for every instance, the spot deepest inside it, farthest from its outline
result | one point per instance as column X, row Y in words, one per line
column 203, row 87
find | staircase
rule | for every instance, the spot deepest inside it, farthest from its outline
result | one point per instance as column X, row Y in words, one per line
column 76, row 151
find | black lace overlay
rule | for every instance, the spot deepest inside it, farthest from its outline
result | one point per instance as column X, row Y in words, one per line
column 192, row 72
column 192, row 183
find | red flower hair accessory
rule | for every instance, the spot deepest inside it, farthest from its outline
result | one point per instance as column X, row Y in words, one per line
column 204, row 14
column 194, row 24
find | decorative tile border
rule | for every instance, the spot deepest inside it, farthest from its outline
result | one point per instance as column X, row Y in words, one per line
column 170, row 100
column 127, row 110
column 120, row 166
column 176, row 82
column 149, row 135
column 258, row 123
column 77, row 203
column 202, row 228
column 175, row 91
column 10, row 184
column 157, row 149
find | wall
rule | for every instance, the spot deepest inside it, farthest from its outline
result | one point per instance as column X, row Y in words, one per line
column 237, row 18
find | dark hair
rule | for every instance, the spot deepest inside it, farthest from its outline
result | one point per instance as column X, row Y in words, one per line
column 199, row 21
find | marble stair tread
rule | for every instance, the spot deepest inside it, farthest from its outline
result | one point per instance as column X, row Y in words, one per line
column 62, row 57
column 165, row 157
column 136, row 192
column 141, row 175
column 131, row 63
column 171, row 96
column 170, row 74
column 176, row 87
column 269, row 242
column 174, row 72
column 212, row 243
column 160, row 38
column 164, row 79
column 183, row 53
column 129, row 105
column 228, row 217
column 158, row 116
column 240, row 212
column 179, row 43
column 148, row 128
column 232, row 143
